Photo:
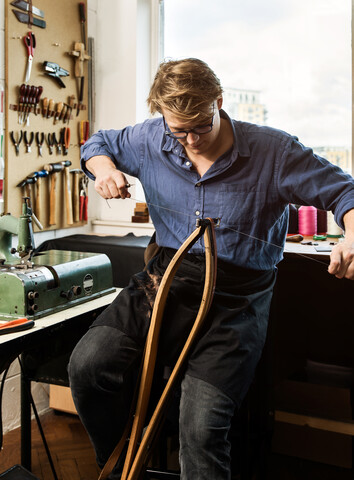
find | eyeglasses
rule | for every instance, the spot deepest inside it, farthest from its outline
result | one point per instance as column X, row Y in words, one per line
column 200, row 130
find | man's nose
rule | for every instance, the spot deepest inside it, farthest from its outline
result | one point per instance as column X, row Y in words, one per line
column 192, row 137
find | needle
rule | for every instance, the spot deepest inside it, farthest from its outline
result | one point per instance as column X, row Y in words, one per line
column 127, row 185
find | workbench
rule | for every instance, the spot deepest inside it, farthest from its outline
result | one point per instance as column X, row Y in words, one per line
column 310, row 359
column 44, row 351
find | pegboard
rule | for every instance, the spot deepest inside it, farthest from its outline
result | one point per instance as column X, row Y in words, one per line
column 55, row 43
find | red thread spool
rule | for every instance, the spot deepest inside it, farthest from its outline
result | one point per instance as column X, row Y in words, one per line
column 307, row 220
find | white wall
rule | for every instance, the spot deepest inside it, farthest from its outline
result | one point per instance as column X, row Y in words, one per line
column 122, row 34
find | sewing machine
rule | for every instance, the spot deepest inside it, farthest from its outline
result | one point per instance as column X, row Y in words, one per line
column 35, row 286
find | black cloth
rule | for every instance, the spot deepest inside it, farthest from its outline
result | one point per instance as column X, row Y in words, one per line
column 234, row 332
column 126, row 253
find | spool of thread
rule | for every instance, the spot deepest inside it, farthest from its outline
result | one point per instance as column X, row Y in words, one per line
column 307, row 220
column 293, row 227
column 333, row 230
column 321, row 222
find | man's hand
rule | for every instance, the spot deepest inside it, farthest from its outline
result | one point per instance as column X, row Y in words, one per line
column 342, row 260
column 342, row 256
column 110, row 182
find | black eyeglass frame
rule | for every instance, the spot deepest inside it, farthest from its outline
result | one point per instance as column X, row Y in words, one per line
column 185, row 133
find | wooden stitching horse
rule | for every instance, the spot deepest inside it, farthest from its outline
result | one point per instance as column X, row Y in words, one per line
column 138, row 455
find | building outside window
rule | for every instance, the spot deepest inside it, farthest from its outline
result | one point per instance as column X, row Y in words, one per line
column 283, row 64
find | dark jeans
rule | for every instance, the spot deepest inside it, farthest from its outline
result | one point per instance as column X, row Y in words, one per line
column 104, row 364
column 102, row 397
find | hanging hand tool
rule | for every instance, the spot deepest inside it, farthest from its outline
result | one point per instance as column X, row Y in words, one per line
column 84, row 131
column 29, row 19
column 29, row 101
column 50, row 111
column 53, row 169
column 79, row 52
column 30, row 42
column 45, row 104
column 28, row 142
column 37, row 99
column 76, row 193
column 26, row 185
column 82, row 22
column 55, row 71
column 39, row 175
column 63, row 112
column 16, row 142
column 27, row 7
column 21, row 99
column 56, row 143
column 66, row 140
column 83, row 199
column 24, row 93
column 61, row 143
column 50, row 143
column 70, row 106
column 39, row 141
column 68, row 196
column 58, row 111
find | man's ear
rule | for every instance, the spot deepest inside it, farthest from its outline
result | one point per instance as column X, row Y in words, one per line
column 219, row 102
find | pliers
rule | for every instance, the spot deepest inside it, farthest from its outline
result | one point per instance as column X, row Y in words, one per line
column 16, row 143
column 83, row 199
column 40, row 140
column 50, row 142
column 28, row 142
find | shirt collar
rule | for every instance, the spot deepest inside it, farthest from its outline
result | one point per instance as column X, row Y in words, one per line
column 240, row 143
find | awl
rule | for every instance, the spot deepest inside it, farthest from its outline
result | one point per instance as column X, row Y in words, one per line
column 25, row 6
column 24, row 18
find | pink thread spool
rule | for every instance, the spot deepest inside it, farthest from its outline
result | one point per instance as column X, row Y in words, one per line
column 307, row 220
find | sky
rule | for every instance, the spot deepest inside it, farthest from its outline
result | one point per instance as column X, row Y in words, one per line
column 297, row 53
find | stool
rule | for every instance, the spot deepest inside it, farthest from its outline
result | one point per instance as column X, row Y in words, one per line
column 17, row 472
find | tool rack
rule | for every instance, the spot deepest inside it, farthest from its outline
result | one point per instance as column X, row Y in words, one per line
column 54, row 43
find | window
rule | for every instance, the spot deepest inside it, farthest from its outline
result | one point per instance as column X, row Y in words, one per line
column 293, row 56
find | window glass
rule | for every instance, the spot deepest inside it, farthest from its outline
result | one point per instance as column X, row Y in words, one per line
column 286, row 64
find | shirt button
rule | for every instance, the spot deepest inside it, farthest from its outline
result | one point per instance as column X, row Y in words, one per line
column 197, row 212
column 188, row 164
column 198, row 184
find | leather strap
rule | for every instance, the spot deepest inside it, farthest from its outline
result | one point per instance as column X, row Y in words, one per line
column 137, row 458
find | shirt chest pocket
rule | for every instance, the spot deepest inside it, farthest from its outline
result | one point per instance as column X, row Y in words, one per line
column 241, row 204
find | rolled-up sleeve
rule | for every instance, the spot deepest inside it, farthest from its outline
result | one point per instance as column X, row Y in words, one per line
column 123, row 147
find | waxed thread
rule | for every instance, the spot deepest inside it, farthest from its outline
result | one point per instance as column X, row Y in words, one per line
column 232, row 229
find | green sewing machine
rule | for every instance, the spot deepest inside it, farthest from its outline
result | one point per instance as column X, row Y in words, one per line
column 36, row 286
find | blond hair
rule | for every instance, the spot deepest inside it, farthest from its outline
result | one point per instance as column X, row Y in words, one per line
column 186, row 88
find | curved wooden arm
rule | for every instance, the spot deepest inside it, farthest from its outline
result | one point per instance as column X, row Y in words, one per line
column 134, row 463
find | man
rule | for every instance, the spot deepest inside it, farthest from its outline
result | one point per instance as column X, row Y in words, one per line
column 194, row 162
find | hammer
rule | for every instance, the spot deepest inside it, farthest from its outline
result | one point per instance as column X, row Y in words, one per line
column 26, row 185
column 38, row 176
column 76, row 193
column 53, row 169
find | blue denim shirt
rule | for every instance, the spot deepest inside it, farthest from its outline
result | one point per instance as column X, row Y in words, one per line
column 249, row 187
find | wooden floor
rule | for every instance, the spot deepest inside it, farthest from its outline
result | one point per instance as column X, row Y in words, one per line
column 74, row 457
column 72, row 453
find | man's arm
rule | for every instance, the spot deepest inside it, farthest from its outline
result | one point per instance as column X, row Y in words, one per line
column 342, row 256
column 109, row 182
